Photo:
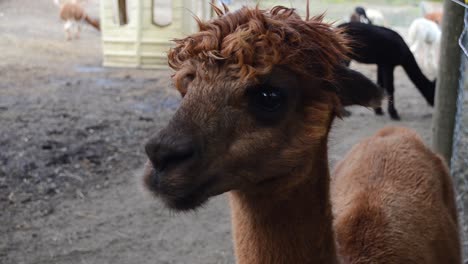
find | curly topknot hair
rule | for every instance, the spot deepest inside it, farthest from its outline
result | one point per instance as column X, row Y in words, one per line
column 250, row 41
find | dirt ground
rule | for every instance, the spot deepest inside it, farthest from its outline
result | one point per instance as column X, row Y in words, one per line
column 71, row 151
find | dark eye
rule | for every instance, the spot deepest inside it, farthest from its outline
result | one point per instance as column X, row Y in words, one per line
column 267, row 104
column 269, row 100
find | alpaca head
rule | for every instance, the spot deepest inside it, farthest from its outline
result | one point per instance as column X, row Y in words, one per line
column 360, row 11
column 260, row 90
column 360, row 15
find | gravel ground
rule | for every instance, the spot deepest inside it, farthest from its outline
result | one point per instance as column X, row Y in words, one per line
column 72, row 136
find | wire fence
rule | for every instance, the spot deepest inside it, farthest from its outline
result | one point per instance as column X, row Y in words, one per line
column 459, row 168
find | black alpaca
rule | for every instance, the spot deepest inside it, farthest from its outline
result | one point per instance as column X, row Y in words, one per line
column 382, row 46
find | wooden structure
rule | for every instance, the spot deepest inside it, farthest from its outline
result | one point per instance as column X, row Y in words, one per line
column 138, row 33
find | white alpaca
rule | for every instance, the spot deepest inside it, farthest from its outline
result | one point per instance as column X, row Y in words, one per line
column 424, row 41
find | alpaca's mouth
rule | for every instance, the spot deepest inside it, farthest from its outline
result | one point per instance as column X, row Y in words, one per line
column 191, row 199
column 182, row 197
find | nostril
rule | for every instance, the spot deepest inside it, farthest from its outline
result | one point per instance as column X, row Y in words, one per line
column 167, row 155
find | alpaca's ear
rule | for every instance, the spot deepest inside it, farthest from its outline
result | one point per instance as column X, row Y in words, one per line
column 353, row 88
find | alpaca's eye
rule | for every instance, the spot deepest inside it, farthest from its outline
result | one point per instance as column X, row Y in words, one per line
column 183, row 83
column 267, row 104
column 269, row 100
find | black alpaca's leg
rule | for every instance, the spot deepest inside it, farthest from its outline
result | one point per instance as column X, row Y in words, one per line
column 343, row 111
column 387, row 75
column 379, row 110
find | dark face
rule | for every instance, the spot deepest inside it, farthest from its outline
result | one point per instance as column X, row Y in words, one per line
column 228, row 135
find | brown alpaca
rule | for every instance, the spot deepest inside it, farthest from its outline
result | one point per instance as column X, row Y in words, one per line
column 73, row 15
column 395, row 195
column 434, row 16
column 260, row 91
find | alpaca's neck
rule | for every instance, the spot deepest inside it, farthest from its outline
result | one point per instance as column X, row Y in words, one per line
column 295, row 228
column 426, row 87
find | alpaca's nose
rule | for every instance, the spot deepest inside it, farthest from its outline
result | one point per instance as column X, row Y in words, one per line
column 167, row 151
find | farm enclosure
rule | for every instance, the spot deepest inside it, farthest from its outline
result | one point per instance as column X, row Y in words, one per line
column 72, row 136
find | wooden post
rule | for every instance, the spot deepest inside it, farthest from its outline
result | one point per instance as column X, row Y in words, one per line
column 448, row 80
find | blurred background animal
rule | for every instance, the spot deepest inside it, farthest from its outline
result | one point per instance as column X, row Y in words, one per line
column 74, row 15
column 367, row 16
column 434, row 16
column 360, row 15
column 387, row 49
column 431, row 11
column 424, row 41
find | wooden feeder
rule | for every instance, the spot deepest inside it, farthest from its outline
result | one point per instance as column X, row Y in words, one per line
column 138, row 33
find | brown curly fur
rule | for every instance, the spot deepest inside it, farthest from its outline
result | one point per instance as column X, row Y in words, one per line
column 252, row 41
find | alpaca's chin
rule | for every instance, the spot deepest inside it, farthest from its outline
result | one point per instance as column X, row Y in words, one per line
column 189, row 198
column 190, row 201
column 187, row 195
